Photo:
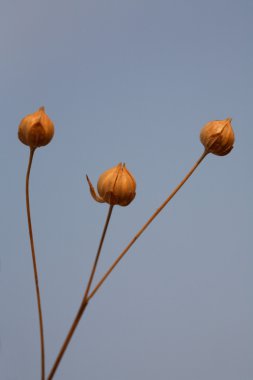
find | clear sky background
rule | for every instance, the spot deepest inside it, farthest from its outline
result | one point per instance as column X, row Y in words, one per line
column 130, row 81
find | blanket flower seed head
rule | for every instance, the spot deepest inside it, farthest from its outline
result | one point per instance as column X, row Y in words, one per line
column 218, row 137
column 36, row 129
column 116, row 186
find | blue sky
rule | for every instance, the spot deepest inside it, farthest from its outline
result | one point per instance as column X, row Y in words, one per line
column 130, row 81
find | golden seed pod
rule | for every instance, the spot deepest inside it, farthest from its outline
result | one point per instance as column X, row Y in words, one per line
column 36, row 129
column 116, row 186
column 218, row 137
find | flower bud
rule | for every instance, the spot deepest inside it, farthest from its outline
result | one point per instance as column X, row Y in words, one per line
column 36, row 129
column 116, row 186
column 218, row 137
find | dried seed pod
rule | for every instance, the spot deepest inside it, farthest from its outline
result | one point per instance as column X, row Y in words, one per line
column 218, row 137
column 116, row 186
column 36, row 129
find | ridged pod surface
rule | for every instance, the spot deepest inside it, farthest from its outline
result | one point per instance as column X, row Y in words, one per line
column 116, row 186
column 218, row 137
column 36, row 129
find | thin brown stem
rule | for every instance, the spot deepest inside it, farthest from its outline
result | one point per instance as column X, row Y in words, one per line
column 68, row 338
column 84, row 302
column 94, row 291
column 98, row 252
column 42, row 346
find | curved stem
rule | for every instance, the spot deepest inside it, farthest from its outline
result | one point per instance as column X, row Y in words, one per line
column 84, row 302
column 42, row 347
column 94, row 291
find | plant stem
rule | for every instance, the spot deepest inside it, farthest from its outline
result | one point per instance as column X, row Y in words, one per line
column 42, row 348
column 94, row 291
column 88, row 296
column 98, row 252
column 84, row 302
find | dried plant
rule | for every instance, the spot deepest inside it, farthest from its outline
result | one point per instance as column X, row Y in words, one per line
column 115, row 186
column 35, row 130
